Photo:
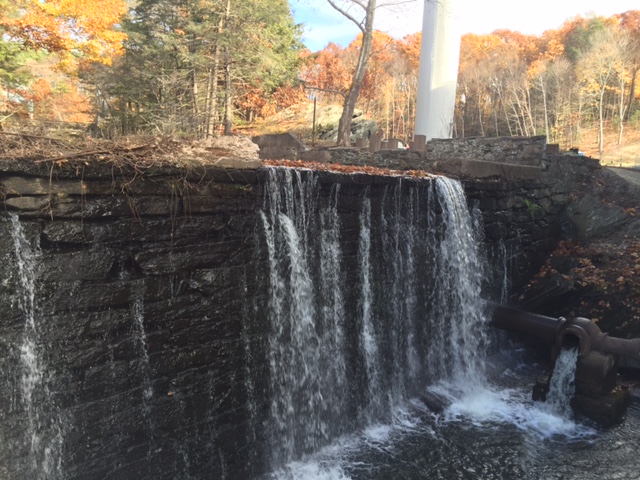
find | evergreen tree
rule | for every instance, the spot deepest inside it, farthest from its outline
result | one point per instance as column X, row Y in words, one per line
column 185, row 62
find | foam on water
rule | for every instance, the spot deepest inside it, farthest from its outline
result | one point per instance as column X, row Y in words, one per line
column 480, row 408
column 483, row 406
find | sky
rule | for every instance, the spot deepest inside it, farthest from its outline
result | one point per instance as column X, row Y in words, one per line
column 322, row 24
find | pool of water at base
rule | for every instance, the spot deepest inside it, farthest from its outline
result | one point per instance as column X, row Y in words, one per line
column 491, row 433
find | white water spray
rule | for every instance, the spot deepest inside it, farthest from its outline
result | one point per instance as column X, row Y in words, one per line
column 368, row 336
column 562, row 385
column 309, row 361
column 140, row 336
column 458, row 309
column 44, row 427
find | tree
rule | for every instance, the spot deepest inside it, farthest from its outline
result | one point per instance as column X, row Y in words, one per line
column 188, row 64
column 361, row 13
column 596, row 70
column 80, row 32
column 326, row 72
column 630, row 22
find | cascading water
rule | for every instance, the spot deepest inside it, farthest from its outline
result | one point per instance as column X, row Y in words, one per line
column 44, row 430
column 458, row 311
column 305, row 347
column 407, row 294
column 354, row 302
column 320, row 387
column 373, row 408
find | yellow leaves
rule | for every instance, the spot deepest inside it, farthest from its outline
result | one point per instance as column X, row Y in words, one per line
column 85, row 27
column 554, row 50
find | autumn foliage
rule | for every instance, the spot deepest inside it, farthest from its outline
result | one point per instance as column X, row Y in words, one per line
column 202, row 66
column 509, row 83
column 74, row 29
column 601, row 277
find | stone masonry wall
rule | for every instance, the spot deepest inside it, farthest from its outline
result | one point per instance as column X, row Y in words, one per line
column 147, row 306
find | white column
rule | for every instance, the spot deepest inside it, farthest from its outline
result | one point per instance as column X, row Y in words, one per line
column 438, row 75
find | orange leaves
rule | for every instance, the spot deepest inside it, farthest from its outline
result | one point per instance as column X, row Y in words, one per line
column 326, row 70
column 69, row 27
column 63, row 104
column 287, row 96
column 256, row 102
column 41, row 89
column 410, row 46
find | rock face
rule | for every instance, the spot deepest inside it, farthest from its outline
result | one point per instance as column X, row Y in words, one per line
column 147, row 295
column 137, row 293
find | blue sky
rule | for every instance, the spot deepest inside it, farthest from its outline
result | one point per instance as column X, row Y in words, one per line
column 323, row 24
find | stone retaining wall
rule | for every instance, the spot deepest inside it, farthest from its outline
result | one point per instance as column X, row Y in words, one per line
column 160, row 269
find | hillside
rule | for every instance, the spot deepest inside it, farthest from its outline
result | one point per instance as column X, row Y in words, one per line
column 298, row 120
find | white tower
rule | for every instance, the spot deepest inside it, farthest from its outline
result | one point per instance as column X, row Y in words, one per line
column 438, row 75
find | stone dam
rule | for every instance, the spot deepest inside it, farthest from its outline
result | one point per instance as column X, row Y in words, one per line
column 170, row 322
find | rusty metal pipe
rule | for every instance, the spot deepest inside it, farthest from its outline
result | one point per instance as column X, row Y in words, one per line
column 556, row 331
column 533, row 325
column 620, row 346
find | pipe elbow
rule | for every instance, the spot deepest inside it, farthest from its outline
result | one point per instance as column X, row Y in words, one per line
column 587, row 333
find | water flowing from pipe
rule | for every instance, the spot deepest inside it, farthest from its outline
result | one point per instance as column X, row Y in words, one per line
column 562, row 385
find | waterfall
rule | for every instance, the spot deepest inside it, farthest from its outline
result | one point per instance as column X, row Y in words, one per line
column 306, row 345
column 373, row 407
column 408, row 293
column 457, row 308
column 44, row 432
column 562, row 384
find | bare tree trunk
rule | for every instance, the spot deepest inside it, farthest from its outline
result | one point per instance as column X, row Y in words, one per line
column 212, row 93
column 214, row 73
column 228, row 97
column 228, row 94
column 195, row 111
column 621, row 111
column 212, row 99
column 349, row 106
column 544, row 104
column 634, row 76
column 601, row 121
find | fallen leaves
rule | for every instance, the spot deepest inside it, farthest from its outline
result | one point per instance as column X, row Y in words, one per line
column 348, row 169
column 605, row 279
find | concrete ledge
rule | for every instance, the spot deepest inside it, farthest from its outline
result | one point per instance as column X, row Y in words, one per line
column 280, row 146
column 482, row 169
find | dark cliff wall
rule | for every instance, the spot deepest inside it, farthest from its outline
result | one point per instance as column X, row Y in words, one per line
column 140, row 294
column 149, row 301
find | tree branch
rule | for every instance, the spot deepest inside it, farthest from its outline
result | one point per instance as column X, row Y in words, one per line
column 327, row 90
column 347, row 14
